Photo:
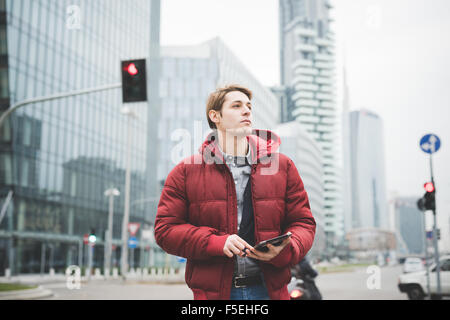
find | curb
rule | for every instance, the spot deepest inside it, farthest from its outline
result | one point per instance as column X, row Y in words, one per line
column 26, row 294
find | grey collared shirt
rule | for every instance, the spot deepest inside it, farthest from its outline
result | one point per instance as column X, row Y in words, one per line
column 241, row 170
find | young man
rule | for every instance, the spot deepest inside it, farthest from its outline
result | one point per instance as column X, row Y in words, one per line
column 238, row 191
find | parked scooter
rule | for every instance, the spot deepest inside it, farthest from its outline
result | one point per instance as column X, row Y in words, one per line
column 304, row 287
column 297, row 290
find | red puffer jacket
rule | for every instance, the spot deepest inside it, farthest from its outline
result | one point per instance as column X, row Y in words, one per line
column 197, row 211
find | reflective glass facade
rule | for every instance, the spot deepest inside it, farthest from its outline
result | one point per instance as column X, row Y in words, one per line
column 368, row 179
column 58, row 157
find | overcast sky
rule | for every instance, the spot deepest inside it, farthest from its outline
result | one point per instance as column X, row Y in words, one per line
column 397, row 58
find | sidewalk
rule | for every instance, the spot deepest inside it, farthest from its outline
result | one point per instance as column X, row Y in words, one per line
column 30, row 279
column 42, row 281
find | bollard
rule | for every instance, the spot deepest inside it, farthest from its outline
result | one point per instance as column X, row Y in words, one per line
column 107, row 273
column 97, row 273
column 153, row 275
column 115, row 273
column 145, row 274
column 139, row 272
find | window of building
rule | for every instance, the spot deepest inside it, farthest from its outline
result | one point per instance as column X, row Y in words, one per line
column 3, row 42
column 4, row 88
column 5, row 169
column 24, row 172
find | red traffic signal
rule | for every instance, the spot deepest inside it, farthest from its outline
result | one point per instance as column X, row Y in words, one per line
column 132, row 70
column 429, row 186
column 134, row 80
column 428, row 201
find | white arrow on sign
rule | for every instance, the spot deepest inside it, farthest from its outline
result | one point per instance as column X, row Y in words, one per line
column 432, row 143
column 426, row 146
column 133, row 227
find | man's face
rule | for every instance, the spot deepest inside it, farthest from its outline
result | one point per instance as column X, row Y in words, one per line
column 236, row 119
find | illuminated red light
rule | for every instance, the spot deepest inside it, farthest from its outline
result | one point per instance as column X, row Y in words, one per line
column 429, row 187
column 132, row 69
column 296, row 294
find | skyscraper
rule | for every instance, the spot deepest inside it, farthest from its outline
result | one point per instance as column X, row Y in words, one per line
column 409, row 226
column 307, row 78
column 58, row 157
column 368, row 180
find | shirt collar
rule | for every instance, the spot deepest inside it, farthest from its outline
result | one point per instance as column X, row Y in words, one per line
column 239, row 160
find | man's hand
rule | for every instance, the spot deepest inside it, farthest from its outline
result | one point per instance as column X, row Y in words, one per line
column 269, row 255
column 236, row 245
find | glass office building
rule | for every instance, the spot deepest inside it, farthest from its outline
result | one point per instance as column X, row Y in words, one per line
column 409, row 226
column 368, row 179
column 58, row 157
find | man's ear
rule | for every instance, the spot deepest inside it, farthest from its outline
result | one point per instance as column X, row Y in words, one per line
column 214, row 116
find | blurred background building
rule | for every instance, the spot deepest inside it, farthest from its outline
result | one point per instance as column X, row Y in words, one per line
column 409, row 227
column 367, row 223
column 368, row 180
column 304, row 151
column 308, row 95
column 58, row 157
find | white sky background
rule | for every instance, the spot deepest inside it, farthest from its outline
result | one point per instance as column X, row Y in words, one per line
column 397, row 57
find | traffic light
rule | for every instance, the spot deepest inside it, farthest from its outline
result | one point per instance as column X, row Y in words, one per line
column 92, row 237
column 428, row 201
column 134, row 81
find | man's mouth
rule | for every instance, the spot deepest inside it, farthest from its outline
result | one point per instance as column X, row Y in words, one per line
column 246, row 121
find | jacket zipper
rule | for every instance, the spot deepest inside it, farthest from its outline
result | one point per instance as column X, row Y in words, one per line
column 253, row 204
column 234, row 223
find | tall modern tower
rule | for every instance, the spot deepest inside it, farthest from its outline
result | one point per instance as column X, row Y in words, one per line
column 307, row 78
column 409, row 226
column 368, row 181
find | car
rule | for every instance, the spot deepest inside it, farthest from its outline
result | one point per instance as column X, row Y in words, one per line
column 415, row 284
column 413, row 265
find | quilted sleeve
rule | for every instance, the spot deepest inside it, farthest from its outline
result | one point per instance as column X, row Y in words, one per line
column 173, row 233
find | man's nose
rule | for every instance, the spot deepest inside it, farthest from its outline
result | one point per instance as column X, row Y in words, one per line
column 247, row 110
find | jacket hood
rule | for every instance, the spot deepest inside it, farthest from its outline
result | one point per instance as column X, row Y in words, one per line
column 262, row 144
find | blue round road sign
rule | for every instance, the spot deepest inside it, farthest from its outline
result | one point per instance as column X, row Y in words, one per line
column 430, row 143
column 132, row 242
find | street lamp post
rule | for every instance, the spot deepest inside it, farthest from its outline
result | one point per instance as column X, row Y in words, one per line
column 111, row 192
column 126, row 216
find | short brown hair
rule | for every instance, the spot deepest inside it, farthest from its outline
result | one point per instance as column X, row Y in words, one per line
column 217, row 98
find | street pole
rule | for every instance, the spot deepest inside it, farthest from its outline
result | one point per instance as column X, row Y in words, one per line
column 80, row 253
column 426, row 254
column 111, row 192
column 42, row 258
column 54, row 97
column 126, row 216
column 89, row 269
column 435, row 241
